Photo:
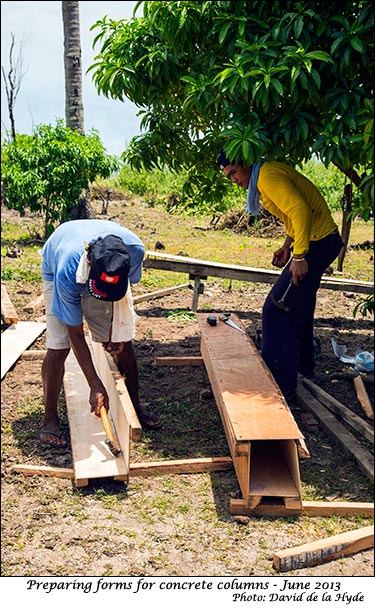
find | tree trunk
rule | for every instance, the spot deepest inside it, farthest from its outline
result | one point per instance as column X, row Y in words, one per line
column 74, row 115
column 346, row 223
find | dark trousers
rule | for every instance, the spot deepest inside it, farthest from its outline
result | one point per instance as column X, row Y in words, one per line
column 287, row 336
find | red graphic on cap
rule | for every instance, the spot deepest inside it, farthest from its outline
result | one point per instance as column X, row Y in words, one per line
column 110, row 279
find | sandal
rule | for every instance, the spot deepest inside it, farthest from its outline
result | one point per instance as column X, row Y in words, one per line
column 51, row 443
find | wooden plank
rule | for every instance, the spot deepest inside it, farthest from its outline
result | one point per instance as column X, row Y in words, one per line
column 362, row 456
column 311, row 508
column 15, row 339
column 91, row 456
column 183, row 466
column 158, row 293
column 178, row 361
column 44, row 471
column 126, row 415
column 324, row 550
column 8, row 312
column 140, row 469
column 197, row 267
column 355, row 422
column 363, row 397
column 253, row 402
column 33, row 305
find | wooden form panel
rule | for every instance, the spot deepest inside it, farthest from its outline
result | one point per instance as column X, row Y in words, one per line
column 15, row 339
column 245, row 384
column 91, row 457
column 125, row 415
column 260, row 429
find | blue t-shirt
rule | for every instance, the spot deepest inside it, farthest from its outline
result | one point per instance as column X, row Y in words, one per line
column 61, row 256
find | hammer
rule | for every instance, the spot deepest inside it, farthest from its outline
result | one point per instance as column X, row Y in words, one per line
column 110, row 440
column 280, row 304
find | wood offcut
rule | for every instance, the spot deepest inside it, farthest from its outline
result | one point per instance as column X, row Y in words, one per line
column 322, row 551
column 8, row 312
column 363, row 397
column 347, row 440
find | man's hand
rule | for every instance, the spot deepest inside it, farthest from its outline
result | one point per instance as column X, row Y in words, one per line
column 98, row 399
column 281, row 256
column 113, row 348
column 298, row 268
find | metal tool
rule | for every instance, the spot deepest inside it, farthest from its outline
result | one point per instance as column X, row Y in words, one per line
column 110, row 440
column 280, row 304
column 225, row 317
column 212, row 320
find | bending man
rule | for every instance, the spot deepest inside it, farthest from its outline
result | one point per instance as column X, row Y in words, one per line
column 87, row 269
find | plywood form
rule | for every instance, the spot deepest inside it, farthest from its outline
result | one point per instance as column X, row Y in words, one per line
column 260, row 429
column 15, row 339
column 115, row 385
column 91, row 456
column 252, row 400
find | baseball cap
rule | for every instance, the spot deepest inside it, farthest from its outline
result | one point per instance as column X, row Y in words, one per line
column 222, row 160
column 109, row 268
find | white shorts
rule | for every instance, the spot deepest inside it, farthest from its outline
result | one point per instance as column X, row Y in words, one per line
column 101, row 317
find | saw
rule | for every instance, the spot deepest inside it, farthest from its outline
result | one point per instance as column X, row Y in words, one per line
column 225, row 317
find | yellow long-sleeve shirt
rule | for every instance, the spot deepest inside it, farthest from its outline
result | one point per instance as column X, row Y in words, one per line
column 290, row 196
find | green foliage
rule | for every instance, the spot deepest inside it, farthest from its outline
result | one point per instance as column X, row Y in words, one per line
column 179, row 193
column 150, row 182
column 288, row 80
column 365, row 306
column 47, row 171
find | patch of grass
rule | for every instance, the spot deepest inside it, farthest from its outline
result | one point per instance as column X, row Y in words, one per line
column 180, row 315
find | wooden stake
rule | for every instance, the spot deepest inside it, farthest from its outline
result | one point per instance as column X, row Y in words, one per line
column 363, row 397
column 322, row 551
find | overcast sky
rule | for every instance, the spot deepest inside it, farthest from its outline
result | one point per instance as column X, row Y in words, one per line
column 38, row 27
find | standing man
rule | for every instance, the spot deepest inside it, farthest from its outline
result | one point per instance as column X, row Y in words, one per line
column 87, row 269
column 312, row 243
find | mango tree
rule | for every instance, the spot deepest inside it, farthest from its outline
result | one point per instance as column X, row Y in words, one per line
column 289, row 80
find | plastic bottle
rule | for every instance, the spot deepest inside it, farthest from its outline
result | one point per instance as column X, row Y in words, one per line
column 364, row 362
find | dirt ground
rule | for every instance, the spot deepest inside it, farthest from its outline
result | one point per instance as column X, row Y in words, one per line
column 176, row 525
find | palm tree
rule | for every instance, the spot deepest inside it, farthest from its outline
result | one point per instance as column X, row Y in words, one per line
column 74, row 115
